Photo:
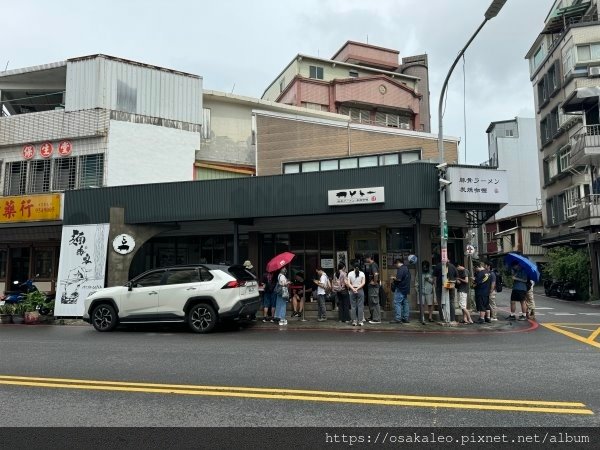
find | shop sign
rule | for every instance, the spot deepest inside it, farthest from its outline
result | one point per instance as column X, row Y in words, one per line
column 123, row 244
column 474, row 185
column 65, row 148
column 30, row 208
column 28, row 151
column 81, row 267
column 46, row 150
column 356, row 196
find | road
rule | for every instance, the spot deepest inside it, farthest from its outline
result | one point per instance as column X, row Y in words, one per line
column 257, row 377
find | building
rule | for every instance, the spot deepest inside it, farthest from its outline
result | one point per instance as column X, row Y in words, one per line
column 564, row 63
column 86, row 122
column 362, row 81
column 521, row 233
column 512, row 146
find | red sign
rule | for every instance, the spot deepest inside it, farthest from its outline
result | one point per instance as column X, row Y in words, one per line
column 65, row 148
column 46, row 150
column 28, row 151
column 445, row 255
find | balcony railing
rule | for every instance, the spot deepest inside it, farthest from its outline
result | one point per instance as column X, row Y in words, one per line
column 586, row 148
column 53, row 125
column 588, row 207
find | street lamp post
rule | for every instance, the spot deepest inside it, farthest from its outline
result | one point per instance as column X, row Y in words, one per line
column 491, row 12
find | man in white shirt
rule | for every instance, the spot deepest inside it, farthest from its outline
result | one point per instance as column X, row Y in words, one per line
column 356, row 283
column 323, row 284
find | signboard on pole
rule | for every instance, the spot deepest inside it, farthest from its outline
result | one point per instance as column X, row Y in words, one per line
column 477, row 185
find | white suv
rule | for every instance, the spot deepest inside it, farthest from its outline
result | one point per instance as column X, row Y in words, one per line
column 200, row 295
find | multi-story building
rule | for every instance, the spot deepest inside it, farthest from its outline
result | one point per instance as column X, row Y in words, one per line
column 86, row 122
column 365, row 82
column 512, row 146
column 564, row 63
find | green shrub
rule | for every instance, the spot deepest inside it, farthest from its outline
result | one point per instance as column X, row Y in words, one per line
column 567, row 264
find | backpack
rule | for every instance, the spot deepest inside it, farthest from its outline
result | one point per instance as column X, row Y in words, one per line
column 337, row 287
column 328, row 288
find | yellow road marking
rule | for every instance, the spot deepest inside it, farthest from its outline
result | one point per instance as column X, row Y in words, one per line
column 555, row 327
column 594, row 335
column 305, row 395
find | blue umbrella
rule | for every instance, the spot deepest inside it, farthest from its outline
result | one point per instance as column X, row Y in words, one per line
column 528, row 266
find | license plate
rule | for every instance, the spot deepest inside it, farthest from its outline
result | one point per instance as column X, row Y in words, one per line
column 251, row 289
column 571, row 292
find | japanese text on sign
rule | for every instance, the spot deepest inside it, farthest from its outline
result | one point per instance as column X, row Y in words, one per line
column 474, row 185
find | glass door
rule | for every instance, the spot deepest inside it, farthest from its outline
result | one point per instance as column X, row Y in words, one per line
column 18, row 264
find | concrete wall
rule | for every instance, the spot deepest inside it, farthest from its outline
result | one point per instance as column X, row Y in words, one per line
column 139, row 154
column 273, row 92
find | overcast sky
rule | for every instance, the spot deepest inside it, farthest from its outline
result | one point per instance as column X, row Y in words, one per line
column 247, row 43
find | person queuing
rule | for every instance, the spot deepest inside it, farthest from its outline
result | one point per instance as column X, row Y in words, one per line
column 269, row 281
column 482, row 293
column 304, row 288
column 462, row 282
column 529, row 300
column 322, row 287
column 493, row 291
column 372, row 274
column 340, row 288
column 427, row 287
column 401, row 288
column 283, row 296
column 519, row 292
column 356, row 283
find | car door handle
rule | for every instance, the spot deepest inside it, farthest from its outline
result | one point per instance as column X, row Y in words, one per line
column 153, row 293
column 191, row 289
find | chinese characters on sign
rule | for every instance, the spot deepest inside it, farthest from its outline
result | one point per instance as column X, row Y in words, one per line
column 28, row 151
column 473, row 185
column 30, row 208
column 356, row 196
column 46, row 150
column 65, row 148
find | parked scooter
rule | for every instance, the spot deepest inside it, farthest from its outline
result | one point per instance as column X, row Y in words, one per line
column 553, row 288
column 568, row 291
column 44, row 307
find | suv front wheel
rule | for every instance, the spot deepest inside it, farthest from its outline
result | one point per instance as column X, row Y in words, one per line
column 104, row 317
column 202, row 318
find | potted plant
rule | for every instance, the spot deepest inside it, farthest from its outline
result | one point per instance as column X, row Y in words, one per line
column 18, row 315
column 6, row 312
column 32, row 302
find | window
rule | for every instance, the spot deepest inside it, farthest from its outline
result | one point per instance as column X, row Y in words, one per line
column 538, row 57
column 535, row 238
column 568, row 60
column 552, row 167
column 291, row 168
column 564, row 159
column 389, row 160
column 544, row 131
column 316, row 72
column 91, row 171
column 329, row 165
column 348, row 163
column 312, row 166
column 183, row 276
column 570, row 205
column 509, row 133
column 281, row 85
column 356, row 114
column 542, row 91
column 65, row 170
column 149, row 280
column 551, row 212
column 353, row 74
column 241, row 274
column 15, row 178
column 367, row 161
column 43, row 262
column 408, row 157
column 206, row 131
column 314, row 106
column 39, row 176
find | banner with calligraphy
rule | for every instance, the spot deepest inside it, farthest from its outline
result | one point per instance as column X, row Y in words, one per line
column 30, row 208
column 81, row 267
column 477, row 185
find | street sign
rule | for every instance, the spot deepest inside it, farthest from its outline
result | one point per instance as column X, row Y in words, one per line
column 445, row 231
column 470, row 250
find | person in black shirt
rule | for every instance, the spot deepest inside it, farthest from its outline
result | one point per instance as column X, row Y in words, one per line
column 483, row 284
column 452, row 275
column 401, row 288
column 372, row 274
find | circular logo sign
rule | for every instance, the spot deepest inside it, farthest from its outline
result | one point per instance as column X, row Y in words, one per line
column 123, row 244
column 46, row 150
column 470, row 249
column 28, row 151
column 65, row 148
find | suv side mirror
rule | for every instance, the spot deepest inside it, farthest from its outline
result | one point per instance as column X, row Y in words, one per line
column 129, row 286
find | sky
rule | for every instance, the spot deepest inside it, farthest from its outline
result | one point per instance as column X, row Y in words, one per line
column 241, row 45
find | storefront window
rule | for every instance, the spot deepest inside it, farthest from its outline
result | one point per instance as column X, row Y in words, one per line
column 43, row 262
column 400, row 240
column 296, row 242
column 3, row 262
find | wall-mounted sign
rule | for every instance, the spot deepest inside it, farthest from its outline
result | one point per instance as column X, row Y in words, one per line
column 65, row 148
column 46, row 150
column 30, row 208
column 470, row 250
column 28, row 151
column 327, row 263
column 123, row 244
column 356, row 196
column 473, row 185
column 342, row 257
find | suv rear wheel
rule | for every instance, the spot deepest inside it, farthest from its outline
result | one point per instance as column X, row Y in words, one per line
column 104, row 317
column 202, row 318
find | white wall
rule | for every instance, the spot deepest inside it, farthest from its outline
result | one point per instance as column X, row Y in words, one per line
column 139, row 154
column 519, row 156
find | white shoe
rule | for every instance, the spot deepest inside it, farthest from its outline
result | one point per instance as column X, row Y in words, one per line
column 494, row 319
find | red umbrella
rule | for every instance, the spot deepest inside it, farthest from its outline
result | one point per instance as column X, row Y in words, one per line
column 283, row 259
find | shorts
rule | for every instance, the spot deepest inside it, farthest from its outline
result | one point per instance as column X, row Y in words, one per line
column 462, row 300
column 482, row 302
column 269, row 299
column 518, row 296
column 428, row 299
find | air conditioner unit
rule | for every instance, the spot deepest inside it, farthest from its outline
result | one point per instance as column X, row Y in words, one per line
column 405, row 126
column 594, row 71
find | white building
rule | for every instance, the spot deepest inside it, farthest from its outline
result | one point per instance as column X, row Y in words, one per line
column 512, row 146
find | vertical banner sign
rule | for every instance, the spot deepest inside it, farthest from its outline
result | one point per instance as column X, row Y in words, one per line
column 81, row 267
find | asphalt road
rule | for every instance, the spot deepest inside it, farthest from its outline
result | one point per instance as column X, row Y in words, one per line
column 537, row 366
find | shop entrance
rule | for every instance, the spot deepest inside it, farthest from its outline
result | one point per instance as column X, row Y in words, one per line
column 363, row 244
column 18, row 262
